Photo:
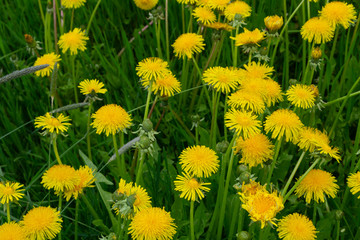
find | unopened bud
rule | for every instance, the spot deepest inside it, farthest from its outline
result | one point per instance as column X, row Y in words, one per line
column 316, row 53
column 241, row 168
column 243, row 235
column 147, row 125
column 273, row 23
column 245, row 177
column 145, row 142
column 339, row 215
column 222, row 147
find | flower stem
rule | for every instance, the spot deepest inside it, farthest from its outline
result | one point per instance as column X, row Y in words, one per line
column 293, row 173
column 192, row 232
column 213, row 127
column 276, row 154
column 73, row 77
column 118, row 162
column 59, row 209
column 139, row 172
column 157, row 33
column 196, row 135
column 92, row 16
column 167, row 30
column 148, row 101
column 76, row 218
column 8, row 212
column 197, row 67
column 72, row 19
column 233, row 218
column 56, row 151
column 88, row 131
column 235, row 49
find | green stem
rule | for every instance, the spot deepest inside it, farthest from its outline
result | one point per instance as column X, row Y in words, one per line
column 118, row 161
column 314, row 213
column 72, row 19
column 192, row 232
column 213, row 127
column 8, row 212
column 73, row 77
column 88, row 131
column 225, row 110
column 196, row 135
column 276, row 154
column 293, row 173
column 92, row 16
column 183, row 17
column 235, row 49
column 139, row 172
column 41, row 12
column 233, row 218
column 59, row 209
column 157, row 33
column 341, row 99
column 334, row 45
column 190, row 20
column 286, row 67
column 148, row 101
column 337, row 230
column 167, row 30
column 76, row 218
column 56, row 151
column 241, row 220
column 197, row 67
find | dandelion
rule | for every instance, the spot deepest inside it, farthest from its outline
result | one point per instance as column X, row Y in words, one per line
column 146, row 4
column 142, row 199
column 250, row 189
column 301, row 96
column 110, row 119
column 218, row 4
column 51, row 124
column 124, row 188
column 310, row 138
column 249, row 37
column 255, row 70
column 10, row 191
column 73, row 40
column 200, row 161
column 186, row 1
column 273, row 23
column 152, row 223
column 166, row 85
column 151, row 68
column 190, row 188
column 262, row 206
column 353, row 182
column 91, row 87
column 187, row 44
column 316, row 184
column 244, row 123
column 339, row 13
column 327, row 150
column 86, row 176
column 12, row 231
column 316, row 53
column 318, row 30
column 283, row 122
column 237, row 7
column 204, row 15
column 61, row 178
column 219, row 26
column 296, row 227
column 271, row 92
column 49, row 58
column 247, row 100
column 42, row 223
column 221, row 79
column 254, row 150
column 73, row 3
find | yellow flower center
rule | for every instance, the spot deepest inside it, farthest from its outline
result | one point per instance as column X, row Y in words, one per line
column 263, row 204
column 193, row 183
column 53, row 122
column 8, row 191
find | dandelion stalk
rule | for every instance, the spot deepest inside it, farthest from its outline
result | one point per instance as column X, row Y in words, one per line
column 92, row 16
column 118, row 162
column 8, row 212
column 167, row 30
column 192, row 232
column 88, row 131
column 148, row 101
column 276, row 154
column 233, row 218
column 41, row 12
column 55, row 27
column 293, row 173
column 235, row 52
column 215, row 104
column 72, row 19
column 59, row 209
column 56, row 150
column 139, row 172
column 76, row 218
column 157, row 33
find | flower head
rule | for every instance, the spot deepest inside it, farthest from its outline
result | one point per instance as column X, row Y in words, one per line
column 301, row 96
column 12, row 231
column 222, row 79
column 204, row 15
column 200, row 161
column 273, row 23
column 219, row 26
column 255, row 70
column 146, row 4
column 73, row 3
column 151, row 68
column 61, row 178
column 339, row 13
column 244, row 123
column 218, row 4
column 186, row 1
column 283, row 122
column 49, row 58
column 249, row 37
column 254, row 150
column 316, row 184
column 318, row 30
column 42, row 223
column 86, row 178
column 142, row 199
column 353, row 182
column 250, row 189
column 152, row 223
column 247, row 100
column 51, row 124
column 316, row 53
column 237, row 7
column 166, row 85
column 91, row 87
column 73, row 40
column 110, row 119
column 271, row 92
column 188, row 44
column 190, row 187
column 296, row 227
column 10, row 191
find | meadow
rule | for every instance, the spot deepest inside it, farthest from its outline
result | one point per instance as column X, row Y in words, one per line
column 179, row 119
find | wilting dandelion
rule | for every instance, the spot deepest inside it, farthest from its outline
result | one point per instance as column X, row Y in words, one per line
column 12, row 231
column 74, row 40
column 187, row 44
column 49, row 58
column 296, row 227
column 219, row 26
column 353, row 182
column 191, row 188
column 339, row 13
column 249, row 37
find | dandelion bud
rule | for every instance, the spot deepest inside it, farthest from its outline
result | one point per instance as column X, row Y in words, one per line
column 144, row 142
column 243, row 235
column 316, row 53
column 241, row 168
column 273, row 23
column 147, row 125
column 339, row 215
column 245, row 177
column 221, row 147
column 30, row 41
column 315, row 90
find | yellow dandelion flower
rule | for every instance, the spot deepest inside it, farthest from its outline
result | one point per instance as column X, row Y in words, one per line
column 151, row 224
column 61, row 178
column 110, row 119
column 200, row 161
column 339, row 13
column 316, row 53
column 12, row 231
column 262, row 206
column 146, row 4
column 204, row 15
column 42, row 223
column 187, row 44
column 332, row 152
column 254, row 150
column 203, row 3
column 318, row 30
column 283, row 122
column 124, row 187
column 296, row 227
column 86, row 176
column 49, row 58
column 218, row 4
column 166, row 85
column 273, row 23
column 73, row 40
column 221, row 79
column 250, row 189
column 254, row 86
column 271, row 92
column 237, row 7
column 313, row 0
column 247, row 100
column 219, row 26
column 244, row 123
column 353, row 182
column 301, row 96
column 310, row 138
column 142, row 199
column 190, row 188
column 151, row 68
column 73, row 3
column 91, row 86
column 51, row 124
column 186, row 1
column 255, row 70
column 10, row 191
column 249, row 37
column 316, row 184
